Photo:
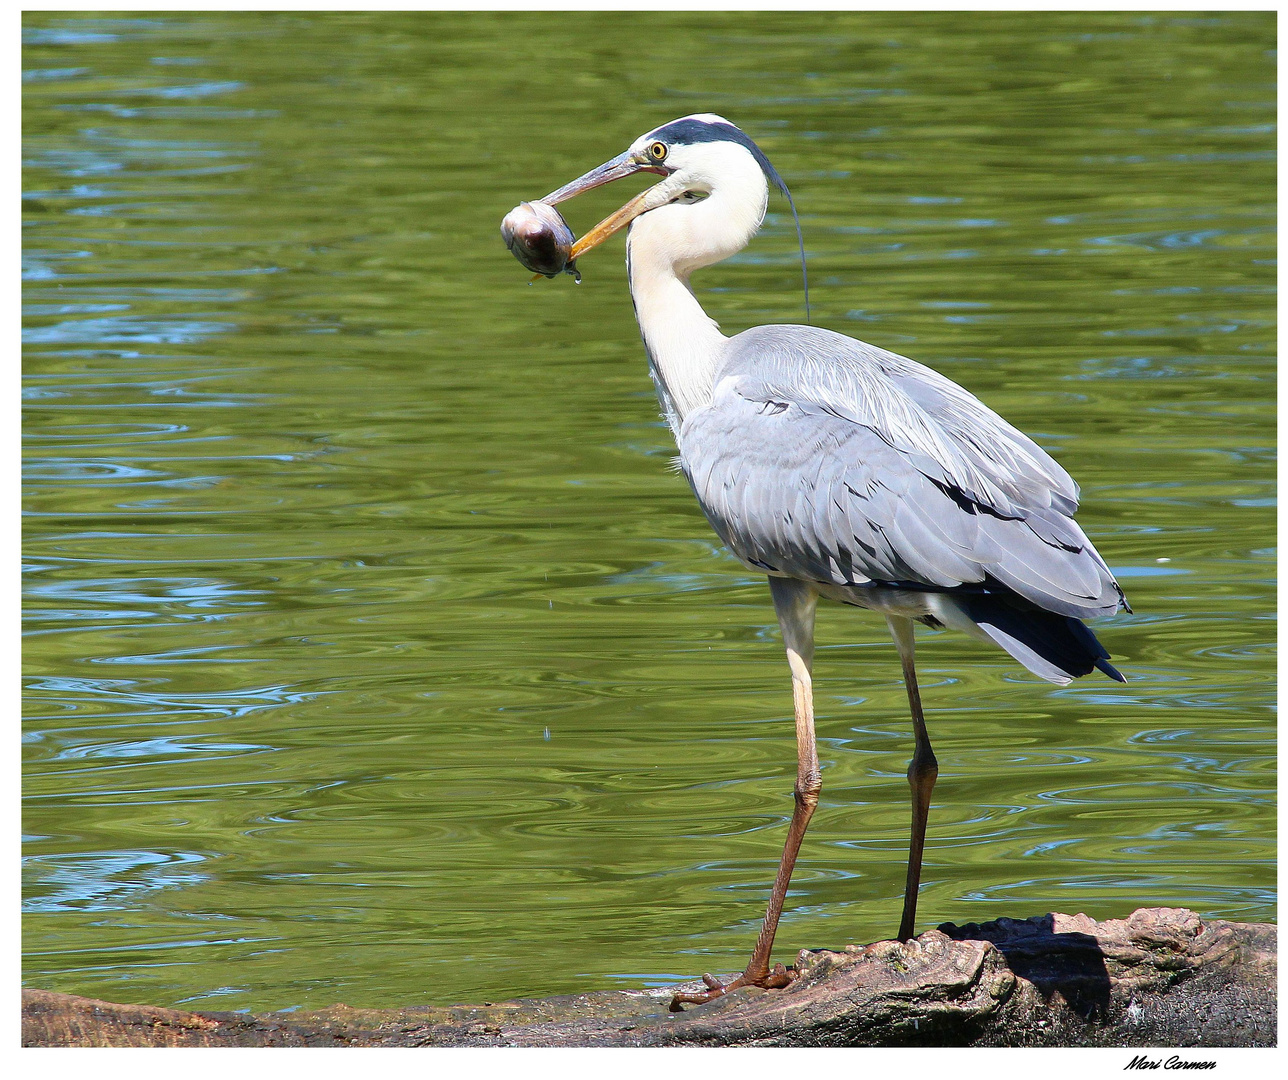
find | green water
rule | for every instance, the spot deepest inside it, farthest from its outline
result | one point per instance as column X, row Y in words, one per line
column 374, row 652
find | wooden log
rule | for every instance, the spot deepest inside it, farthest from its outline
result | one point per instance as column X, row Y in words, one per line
column 1161, row 977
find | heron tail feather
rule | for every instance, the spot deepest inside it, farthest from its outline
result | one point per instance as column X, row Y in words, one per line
column 1055, row 647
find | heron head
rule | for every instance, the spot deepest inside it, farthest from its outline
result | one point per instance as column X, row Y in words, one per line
column 693, row 155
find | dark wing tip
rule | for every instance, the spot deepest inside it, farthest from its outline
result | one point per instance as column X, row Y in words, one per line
column 1111, row 671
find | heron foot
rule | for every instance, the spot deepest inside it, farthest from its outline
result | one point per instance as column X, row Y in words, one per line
column 770, row 980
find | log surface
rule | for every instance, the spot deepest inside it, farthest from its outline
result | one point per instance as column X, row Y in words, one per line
column 1161, row 977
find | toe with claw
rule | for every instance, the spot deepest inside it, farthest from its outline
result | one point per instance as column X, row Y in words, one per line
column 770, row 980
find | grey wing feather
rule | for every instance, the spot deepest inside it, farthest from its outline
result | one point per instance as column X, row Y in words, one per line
column 828, row 459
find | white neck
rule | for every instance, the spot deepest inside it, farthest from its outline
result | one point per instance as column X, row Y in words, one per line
column 684, row 344
column 666, row 245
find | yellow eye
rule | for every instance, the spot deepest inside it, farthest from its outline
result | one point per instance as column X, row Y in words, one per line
column 657, row 151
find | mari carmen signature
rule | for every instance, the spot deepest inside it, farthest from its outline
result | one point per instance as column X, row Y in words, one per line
column 1141, row 1061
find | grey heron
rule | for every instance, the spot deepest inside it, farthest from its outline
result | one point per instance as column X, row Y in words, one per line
column 842, row 471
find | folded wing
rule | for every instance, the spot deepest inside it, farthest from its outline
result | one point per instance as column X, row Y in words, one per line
column 830, row 460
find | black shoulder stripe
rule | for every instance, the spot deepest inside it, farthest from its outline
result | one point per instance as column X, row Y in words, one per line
column 687, row 132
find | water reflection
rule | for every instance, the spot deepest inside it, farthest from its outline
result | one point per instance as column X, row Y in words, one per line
column 106, row 881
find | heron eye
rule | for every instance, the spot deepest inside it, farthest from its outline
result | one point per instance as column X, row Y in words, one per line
column 657, row 151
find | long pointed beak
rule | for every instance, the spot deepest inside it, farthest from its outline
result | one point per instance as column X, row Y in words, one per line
column 620, row 166
column 645, row 200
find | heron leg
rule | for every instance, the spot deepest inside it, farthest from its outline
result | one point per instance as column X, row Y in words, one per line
column 794, row 603
column 922, row 772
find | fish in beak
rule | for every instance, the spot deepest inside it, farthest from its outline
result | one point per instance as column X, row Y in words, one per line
column 540, row 239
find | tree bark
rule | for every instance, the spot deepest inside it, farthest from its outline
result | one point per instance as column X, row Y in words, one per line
column 1161, row 977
